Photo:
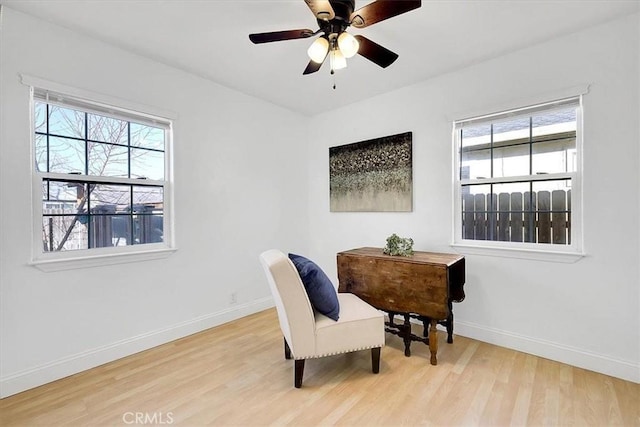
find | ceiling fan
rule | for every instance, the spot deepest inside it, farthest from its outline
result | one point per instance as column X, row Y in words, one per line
column 334, row 17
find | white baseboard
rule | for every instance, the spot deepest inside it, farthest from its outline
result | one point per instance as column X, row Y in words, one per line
column 624, row 369
column 39, row 375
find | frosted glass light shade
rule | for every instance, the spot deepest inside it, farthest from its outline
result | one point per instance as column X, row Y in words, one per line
column 348, row 44
column 339, row 61
column 318, row 50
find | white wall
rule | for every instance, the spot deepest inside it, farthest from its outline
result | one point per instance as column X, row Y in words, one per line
column 585, row 313
column 235, row 171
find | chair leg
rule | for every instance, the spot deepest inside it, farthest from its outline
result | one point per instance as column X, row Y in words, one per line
column 299, row 370
column 287, row 350
column 375, row 360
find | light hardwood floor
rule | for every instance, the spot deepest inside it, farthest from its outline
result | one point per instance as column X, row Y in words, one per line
column 236, row 374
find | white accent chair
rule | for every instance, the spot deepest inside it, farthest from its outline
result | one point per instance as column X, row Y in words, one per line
column 310, row 334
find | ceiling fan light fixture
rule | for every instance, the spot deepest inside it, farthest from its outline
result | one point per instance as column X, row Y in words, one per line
column 348, row 44
column 318, row 50
column 338, row 61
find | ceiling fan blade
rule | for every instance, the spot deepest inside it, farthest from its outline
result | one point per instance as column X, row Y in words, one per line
column 313, row 66
column 381, row 10
column 375, row 53
column 321, row 9
column 276, row 36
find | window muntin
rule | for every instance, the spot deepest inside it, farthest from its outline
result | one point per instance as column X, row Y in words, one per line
column 102, row 176
column 514, row 176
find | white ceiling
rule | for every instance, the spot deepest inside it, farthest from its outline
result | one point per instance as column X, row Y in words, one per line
column 210, row 38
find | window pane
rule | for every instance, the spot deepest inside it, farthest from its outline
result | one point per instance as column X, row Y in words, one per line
column 515, row 128
column 475, row 159
column 515, row 220
column 108, row 228
column 108, row 160
column 110, row 215
column 552, row 185
column 147, row 137
column 553, row 206
column 107, row 129
column 475, row 203
column 511, row 147
column 148, row 229
column 40, row 117
column 554, row 121
column 147, row 164
column 65, row 194
column 554, row 148
column 148, row 204
column 62, row 227
column 41, row 153
column 556, row 156
column 511, row 160
column 66, row 122
column 148, row 196
column 63, row 233
column 66, row 155
column 108, row 198
column 120, row 230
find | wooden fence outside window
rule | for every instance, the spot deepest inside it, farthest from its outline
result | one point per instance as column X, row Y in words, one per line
column 535, row 217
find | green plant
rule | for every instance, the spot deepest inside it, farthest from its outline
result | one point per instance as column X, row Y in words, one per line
column 402, row 246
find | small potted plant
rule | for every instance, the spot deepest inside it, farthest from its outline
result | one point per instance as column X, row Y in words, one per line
column 398, row 246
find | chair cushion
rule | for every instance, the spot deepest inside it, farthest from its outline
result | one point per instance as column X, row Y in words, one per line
column 322, row 294
column 361, row 326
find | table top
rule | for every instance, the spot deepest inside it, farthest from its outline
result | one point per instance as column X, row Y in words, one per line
column 418, row 257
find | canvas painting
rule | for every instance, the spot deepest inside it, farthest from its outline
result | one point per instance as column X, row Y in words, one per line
column 372, row 176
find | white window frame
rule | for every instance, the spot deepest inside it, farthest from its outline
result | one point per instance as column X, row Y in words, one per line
column 538, row 251
column 80, row 99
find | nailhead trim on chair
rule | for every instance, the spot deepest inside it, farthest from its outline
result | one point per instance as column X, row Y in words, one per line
column 315, row 356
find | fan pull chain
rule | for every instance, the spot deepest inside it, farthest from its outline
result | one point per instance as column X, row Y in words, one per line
column 331, row 62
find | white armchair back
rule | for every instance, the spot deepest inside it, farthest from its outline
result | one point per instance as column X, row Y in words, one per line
column 295, row 313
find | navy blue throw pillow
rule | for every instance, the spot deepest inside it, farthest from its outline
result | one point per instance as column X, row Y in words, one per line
column 319, row 288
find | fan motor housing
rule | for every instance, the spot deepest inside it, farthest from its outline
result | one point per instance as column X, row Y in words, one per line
column 343, row 10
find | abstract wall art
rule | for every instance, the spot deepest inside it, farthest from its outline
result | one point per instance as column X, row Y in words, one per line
column 372, row 176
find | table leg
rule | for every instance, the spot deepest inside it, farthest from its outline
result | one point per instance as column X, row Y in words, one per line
column 425, row 326
column 406, row 335
column 391, row 316
column 450, row 325
column 433, row 342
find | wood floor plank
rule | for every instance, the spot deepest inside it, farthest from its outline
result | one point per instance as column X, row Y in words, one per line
column 236, row 375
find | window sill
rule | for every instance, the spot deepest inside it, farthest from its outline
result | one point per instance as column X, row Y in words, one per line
column 50, row 265
column 520, row 253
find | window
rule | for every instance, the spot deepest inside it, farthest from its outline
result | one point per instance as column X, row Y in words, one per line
column 516, row 178
column 101, row 178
